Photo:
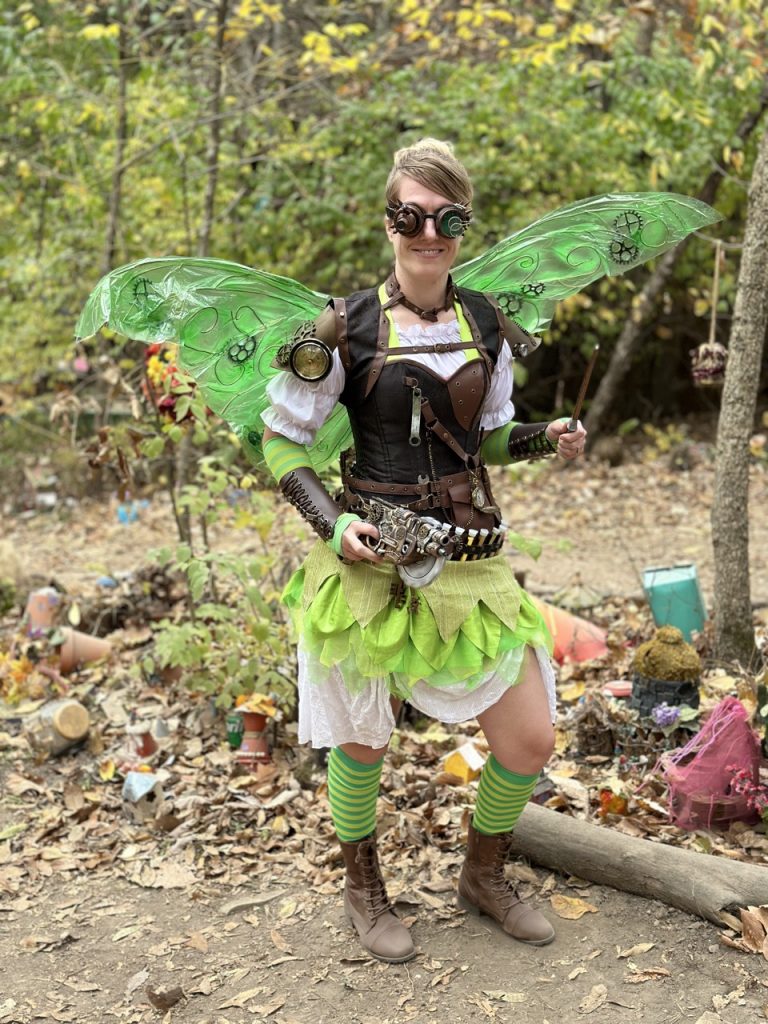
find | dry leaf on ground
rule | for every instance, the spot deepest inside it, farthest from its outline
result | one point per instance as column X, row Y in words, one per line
column 571, row 908
column 597, row 997
column 641, row 947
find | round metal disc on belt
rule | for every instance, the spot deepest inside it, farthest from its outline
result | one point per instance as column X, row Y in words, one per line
column 419, row 574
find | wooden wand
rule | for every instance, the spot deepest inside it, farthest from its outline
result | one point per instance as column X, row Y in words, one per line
column 574, row 420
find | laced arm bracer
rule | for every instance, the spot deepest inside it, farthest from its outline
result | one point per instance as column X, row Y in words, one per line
column 517, row 442
column 301, row 487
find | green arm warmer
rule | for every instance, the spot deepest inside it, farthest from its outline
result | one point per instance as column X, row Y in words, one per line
column 283, row 456
column 495, row 446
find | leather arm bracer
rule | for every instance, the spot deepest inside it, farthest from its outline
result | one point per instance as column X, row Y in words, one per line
column 529, row 441
column 303, row 489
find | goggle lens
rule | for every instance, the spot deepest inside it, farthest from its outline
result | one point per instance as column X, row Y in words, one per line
column 408, row 219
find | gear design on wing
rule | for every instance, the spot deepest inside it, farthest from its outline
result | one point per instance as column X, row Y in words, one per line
column 509, row 303
column 623, row 251
column 628, row 223
column 241, row 351
column 534, row 288
column 147, row 305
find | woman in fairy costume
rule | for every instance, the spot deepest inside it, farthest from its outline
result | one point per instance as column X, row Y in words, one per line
column 425, row 372
column 422, row 370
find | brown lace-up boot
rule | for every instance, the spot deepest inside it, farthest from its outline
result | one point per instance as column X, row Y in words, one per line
column 367, row 905
column 485, row 889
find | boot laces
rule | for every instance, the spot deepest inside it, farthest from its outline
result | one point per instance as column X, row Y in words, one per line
column 503, row 888
column 374, row 890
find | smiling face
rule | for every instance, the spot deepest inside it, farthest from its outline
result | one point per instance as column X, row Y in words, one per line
column 427, row 256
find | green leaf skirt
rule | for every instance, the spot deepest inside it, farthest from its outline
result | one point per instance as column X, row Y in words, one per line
column 473, row 620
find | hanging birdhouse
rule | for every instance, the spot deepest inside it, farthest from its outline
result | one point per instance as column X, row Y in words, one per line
column 708, row 364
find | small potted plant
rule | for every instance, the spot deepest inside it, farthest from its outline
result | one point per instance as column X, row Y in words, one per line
column 257, row 709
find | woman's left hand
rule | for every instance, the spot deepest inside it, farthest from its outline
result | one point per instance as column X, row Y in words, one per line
column 570, row 443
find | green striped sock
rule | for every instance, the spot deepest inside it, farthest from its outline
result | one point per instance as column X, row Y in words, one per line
column 501, row 797
column 353, row 789
column 282, row 455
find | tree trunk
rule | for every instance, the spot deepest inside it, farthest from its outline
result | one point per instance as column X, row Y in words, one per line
column 734, row 634
column 214, row 137
column 121, row 137
column 609, row 389
column 694, row 882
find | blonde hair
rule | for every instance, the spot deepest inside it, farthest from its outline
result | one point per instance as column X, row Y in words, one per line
column 433, row 164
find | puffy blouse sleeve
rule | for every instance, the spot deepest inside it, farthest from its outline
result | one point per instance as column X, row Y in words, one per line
column 297, row 408
column 499, row 407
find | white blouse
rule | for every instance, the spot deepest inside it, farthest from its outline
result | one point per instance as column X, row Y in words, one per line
column 298, row 409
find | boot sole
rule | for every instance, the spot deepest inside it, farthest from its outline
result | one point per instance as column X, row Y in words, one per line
column 391, row 960
column 476, row 911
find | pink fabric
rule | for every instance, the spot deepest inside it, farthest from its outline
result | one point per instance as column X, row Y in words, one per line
column 700, row 775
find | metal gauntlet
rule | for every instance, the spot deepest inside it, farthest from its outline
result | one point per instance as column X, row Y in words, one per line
column 529, row 441
column 303, row 489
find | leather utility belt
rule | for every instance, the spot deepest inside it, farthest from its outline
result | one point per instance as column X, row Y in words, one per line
column 424, row 495
column 420, row 546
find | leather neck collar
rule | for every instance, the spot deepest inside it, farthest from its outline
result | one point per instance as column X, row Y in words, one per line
column 395, row 293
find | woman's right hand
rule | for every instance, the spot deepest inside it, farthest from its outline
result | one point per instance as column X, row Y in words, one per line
column 353, row 547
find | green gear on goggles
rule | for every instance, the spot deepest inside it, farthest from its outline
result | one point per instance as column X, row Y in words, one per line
column 450, row 221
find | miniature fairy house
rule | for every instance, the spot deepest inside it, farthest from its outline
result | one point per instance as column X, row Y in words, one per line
column 666, row 670
column 594, row 727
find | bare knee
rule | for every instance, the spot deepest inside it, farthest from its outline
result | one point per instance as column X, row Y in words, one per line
column 541, row 743
column 362, row 753
column 527, row 754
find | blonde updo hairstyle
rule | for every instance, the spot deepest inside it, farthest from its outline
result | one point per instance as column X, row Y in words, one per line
column 431, row 163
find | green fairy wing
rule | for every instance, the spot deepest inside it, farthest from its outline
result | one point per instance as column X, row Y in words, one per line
column 564, row 251
column 228, row 321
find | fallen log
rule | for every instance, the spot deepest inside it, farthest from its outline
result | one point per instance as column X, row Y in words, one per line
column 695, row 882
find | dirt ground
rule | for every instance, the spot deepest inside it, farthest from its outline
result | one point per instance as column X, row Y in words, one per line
column 97, row 948
column 88, row 953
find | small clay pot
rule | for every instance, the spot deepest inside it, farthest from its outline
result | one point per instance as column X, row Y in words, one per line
column 80, row 648
column 254, row 748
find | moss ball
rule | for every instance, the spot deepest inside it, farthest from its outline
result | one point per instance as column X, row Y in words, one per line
column 667, row 656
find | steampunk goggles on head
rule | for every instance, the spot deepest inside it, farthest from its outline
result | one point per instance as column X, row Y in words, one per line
column 450, row 221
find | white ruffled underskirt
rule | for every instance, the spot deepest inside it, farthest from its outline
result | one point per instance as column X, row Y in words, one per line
column 330, row 715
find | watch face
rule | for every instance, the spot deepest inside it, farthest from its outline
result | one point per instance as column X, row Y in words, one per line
column 311, row 360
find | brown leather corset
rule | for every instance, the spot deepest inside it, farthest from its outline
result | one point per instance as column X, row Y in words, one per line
column 432, row 477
